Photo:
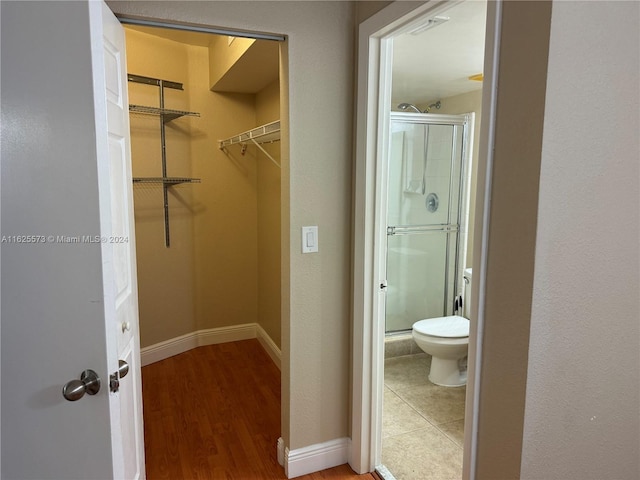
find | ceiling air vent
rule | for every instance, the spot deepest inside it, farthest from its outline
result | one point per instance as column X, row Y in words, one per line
column 430, row 23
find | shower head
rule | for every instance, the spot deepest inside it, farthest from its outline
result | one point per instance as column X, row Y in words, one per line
column 406, row 106
column 437, row 106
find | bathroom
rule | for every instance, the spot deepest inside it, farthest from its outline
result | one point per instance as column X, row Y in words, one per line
column 436, row 100
column 207, row 216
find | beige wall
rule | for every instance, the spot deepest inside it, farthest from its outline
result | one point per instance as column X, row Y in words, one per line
column 458, row 104
column 559, row 393
column 269, row 278
column 208, row 278
column 225, row 209
column 583, row 388
column 165, row 275
column 365, row 8
column 222, row 55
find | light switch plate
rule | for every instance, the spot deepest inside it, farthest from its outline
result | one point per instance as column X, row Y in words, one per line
column 309, row 239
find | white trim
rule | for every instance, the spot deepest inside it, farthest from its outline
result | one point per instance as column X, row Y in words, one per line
column 314, row 458
column 367, row 353
column 487, row 140
column 280, row 449
column 384, row 473
column 212, row 336
column 168, row 348
column 269, row 345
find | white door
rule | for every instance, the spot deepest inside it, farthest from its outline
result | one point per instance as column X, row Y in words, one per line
column 69, row 293
column 118, row 249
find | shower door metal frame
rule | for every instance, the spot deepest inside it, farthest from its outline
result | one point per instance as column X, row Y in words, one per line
column 460, row 226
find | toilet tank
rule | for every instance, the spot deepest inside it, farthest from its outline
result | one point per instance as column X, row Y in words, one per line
column 466, row 306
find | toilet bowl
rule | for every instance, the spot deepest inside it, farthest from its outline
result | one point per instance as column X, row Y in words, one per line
column 446, row 339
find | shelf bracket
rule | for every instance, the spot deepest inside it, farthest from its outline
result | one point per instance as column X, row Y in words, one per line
column 267, row 133
column 265, row 152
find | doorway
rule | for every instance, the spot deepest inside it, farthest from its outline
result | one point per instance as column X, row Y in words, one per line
column 426, row 221
column 383, row 30
column 205, row 130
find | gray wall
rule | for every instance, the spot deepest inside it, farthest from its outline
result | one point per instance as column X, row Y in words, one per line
column 582, row 402
column 560, row 378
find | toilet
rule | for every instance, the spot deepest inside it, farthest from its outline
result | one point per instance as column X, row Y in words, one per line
column 446, row 339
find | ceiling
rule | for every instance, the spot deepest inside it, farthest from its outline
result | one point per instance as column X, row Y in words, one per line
column 438, row 62
column 428, row 66
column 257, row 67
column 181, row 36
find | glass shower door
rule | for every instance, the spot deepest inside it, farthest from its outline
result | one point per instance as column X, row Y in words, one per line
column 424, row 196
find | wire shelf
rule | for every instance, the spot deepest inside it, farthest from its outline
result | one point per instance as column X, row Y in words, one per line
column 166, row 113
column 263, row 134
column 165, row 180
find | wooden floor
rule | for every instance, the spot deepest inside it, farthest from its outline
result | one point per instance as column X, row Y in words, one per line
column 214, row 413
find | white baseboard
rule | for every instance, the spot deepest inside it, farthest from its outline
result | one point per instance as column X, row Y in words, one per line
column 175, row 346
column 314, row 458
column 169, row 348
column 281, row 451
column 269, row 346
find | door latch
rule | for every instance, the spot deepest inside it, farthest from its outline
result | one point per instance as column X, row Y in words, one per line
column 114, row 378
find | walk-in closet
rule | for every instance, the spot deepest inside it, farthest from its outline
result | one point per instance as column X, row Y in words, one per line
column 205, row 130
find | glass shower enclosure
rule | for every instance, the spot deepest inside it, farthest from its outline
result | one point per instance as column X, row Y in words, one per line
column 427, row 216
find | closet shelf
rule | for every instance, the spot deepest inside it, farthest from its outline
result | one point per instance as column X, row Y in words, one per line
column 165, row 180
column 267, row 133
column 167, row 114
column 264, row 134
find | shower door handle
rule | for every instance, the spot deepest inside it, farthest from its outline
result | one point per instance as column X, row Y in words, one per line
column 383, row 285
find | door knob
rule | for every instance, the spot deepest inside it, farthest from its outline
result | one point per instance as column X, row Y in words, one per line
column 89, row 383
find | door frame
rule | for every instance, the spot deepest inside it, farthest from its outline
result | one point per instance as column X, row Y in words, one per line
column 170, row 23
column 372, row 122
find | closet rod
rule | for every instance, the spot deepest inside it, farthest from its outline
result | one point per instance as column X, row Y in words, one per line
column 195, row 27
column 154, row 81
column 267, row 133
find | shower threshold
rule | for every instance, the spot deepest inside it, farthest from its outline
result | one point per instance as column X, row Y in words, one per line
column 400, row 343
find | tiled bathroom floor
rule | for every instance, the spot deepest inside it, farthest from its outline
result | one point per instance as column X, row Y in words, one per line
column 423, row 424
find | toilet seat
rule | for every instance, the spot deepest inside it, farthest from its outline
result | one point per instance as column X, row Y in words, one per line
column 453, row 326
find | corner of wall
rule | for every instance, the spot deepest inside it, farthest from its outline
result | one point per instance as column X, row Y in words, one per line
column 523, row 58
